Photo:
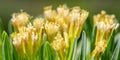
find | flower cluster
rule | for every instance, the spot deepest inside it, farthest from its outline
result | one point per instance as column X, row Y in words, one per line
column 61, row 26
column 27, row 37
column 20, row 19
column 70, row 21
column 105, row 25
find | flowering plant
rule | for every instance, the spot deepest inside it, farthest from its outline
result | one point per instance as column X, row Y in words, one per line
column 58, row 35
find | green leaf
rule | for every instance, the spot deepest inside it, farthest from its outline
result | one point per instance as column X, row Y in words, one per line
column 6, row 47
column 117, row 48
column 83, row 46
column 40, row 53
column 74, row 49
column 41, row 49
column 78, row 52
column 88, row 25
column 116, row 52
column 92, row 43
column 93, row 37
column 15, row 54
column 1, row 30
column 49, row 53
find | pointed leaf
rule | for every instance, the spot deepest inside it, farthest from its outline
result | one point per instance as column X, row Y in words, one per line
column 83, row 46
column 41, row 49
column 15, row 54
column 117, row 49
column 49, row 53
column 6, row 47
column 74, row 49
column 93, row 37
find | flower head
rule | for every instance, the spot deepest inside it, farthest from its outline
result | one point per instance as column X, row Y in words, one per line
column 51, row 29
column 77, row 18
column 38, row 23
column 27, row 40
column 49, row 13
column 59, row 44
column 20, row 19
column 105, row 24
column 63, row 11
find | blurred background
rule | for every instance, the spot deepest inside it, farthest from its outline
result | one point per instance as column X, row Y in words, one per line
column 35, row 7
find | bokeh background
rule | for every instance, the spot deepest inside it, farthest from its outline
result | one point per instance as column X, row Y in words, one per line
column 35, row 7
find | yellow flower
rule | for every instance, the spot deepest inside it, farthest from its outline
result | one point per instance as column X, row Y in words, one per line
column 70, row 22
column 105, row 24
column 20, row 19
column 63, row 11
column 51, row 30
column 104, row 21
column 38, row 23
column 49, row 13
column 27, row 40
column 74, row 14
column 77, row 18
column 59, row 44
column 100, row 48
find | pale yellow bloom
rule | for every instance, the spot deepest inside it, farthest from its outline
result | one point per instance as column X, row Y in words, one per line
column 77, row 18
column 20, row 19
column 51, row 30
column 74, row 14
column 104, row 21
column 70, row 22
column 100, row 48
column 105, row 24
column 49, row 13
column 59, row 44
column 26, row 40
column 63, row 11
column 38, row 23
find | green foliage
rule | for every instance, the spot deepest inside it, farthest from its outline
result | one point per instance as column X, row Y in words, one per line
column 93, row 37
column 15, row 54
column 83, row 46
column 1, row 30
column 49, row 53
column 6, row 47
column 72, row 51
